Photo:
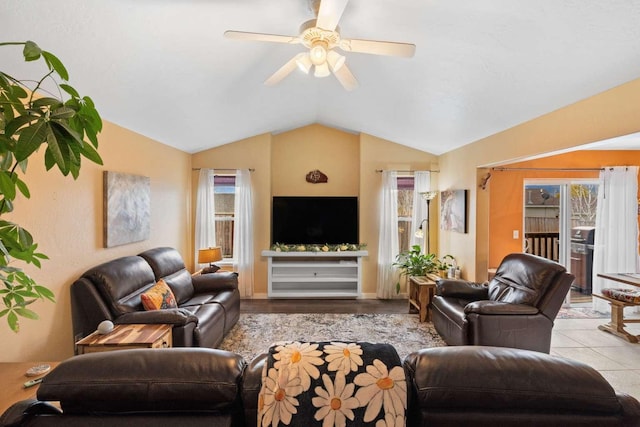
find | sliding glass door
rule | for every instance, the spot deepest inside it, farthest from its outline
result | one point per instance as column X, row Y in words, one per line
column 559, row 224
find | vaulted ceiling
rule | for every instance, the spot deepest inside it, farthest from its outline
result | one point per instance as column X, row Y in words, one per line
column 162, row 68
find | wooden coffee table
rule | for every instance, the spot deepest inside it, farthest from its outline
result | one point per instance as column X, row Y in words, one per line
column 421, row 290
column 124, row 337
column 12, row 378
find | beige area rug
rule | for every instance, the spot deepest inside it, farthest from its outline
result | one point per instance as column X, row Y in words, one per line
column 580, row 313
column 255, row 332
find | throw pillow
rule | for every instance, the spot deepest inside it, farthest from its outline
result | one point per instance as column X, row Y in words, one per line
column 626, row 295
column 159, row 297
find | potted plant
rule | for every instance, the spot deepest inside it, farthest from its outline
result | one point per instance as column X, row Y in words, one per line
column 444, row 264
column 68, row 125
column 414, row 263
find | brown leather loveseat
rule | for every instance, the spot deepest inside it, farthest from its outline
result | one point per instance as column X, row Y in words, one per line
column 208, row 305
column 447, row 386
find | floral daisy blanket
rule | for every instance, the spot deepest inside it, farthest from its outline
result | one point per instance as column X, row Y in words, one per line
column 328, row 384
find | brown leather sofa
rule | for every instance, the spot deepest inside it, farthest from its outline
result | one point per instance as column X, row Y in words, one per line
column 515, row 309
column 208, row 304
column 448, row 386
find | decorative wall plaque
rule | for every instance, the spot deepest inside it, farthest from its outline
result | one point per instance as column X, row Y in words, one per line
column 316, row 177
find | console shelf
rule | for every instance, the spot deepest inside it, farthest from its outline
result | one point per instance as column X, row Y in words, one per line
column 314, row 274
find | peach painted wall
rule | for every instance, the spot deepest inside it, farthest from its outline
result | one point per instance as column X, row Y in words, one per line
column 506, row 192
column 65, row 218
column 333, row 152
column 612, row 113
column 375, row 154
column 281, row 163
column 251, row 153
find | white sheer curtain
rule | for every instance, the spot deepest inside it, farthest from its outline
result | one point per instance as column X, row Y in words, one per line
column 205, row 227
column 421, row 183
column 616, row 234
column 243, row 232
column 388, row 237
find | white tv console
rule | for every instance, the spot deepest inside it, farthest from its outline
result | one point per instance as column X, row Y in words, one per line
column 314, row 274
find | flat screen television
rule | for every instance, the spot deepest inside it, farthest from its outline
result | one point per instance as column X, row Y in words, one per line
column 314, row 220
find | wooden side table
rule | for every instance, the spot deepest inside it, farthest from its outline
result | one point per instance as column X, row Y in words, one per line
column 421, row 290
column 12, row 378
column 127, row 336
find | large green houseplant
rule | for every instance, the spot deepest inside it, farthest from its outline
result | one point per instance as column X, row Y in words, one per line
column 68, row 125
column 414, row 263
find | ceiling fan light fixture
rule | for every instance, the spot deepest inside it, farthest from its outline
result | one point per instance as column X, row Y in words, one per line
column 335, row 60
column 318, row 52
column 322, row 70
column 304, row 62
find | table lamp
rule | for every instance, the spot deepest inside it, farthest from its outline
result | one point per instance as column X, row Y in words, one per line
column 210, row 255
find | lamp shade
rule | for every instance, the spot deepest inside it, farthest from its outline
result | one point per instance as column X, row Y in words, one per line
column 429, row 195
column 209, row 255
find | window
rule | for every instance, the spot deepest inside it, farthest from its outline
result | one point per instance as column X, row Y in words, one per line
column 224, row 188
column 405, row 212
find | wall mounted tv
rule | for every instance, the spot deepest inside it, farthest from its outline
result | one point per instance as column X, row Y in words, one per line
column 314, row 220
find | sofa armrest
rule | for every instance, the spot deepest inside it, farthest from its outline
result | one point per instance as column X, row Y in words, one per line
column 499, row 308
column 19, row 412
column 170, row 316
column 215, row 282
column 463, row 289
column 139, row 380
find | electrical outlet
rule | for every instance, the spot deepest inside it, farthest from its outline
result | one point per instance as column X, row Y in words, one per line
column 516, row 234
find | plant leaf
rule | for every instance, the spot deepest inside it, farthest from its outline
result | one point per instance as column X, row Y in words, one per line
column 71, row 91
column 30, row 139
column 17, row 123
column 55, row 64
column 31, row 51
column 47, row 101
column 7, row 186
column 54, row 148
column 23, row 188
column 90, row 153
column 46, row 293
column 25, row 312
column 62, row 113
column 12, row 319
column 67, row 129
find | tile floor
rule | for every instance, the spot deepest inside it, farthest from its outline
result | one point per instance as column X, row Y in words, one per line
column 616, row 359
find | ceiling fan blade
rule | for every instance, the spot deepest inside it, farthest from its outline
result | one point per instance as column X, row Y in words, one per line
column 261, row 37
column 329, row 13
column 284, row 71
column 346, row 78
column 378, row 47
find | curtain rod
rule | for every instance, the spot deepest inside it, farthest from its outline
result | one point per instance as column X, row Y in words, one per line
column 501, row 169
column 407, row 171
column 223, row 169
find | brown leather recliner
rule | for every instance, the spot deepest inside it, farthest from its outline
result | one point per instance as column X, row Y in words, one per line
column 516, row 308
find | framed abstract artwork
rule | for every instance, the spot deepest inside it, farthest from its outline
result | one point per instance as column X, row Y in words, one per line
column 453, row 210
column 127, row 208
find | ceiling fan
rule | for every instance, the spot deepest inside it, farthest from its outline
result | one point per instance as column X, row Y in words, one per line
column 321, row 36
